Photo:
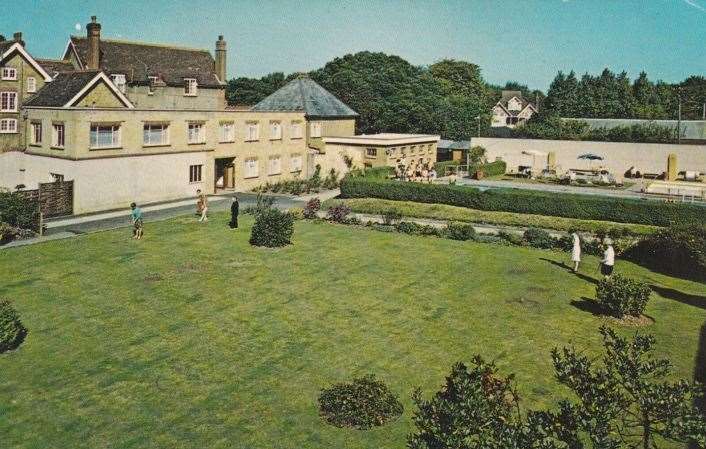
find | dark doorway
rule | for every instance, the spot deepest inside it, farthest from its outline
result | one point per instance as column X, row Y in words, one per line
column 225, row 174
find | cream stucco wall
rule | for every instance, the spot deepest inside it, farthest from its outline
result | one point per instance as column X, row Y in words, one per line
column 170, row 97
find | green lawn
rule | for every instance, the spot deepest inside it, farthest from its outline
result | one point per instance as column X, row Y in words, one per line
column 193, row 339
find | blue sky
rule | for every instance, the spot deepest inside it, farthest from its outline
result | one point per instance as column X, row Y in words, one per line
column 523, row 40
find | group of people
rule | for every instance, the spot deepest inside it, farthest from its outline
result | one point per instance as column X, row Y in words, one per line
column 419, row 172
column 607, row 262
column 201, row 212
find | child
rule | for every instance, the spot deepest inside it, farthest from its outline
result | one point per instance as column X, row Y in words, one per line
column 136, row 215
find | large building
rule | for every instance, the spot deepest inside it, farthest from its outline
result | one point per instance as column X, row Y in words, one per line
column 129, row 121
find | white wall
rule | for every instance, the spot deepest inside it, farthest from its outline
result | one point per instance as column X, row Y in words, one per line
column 618, row 157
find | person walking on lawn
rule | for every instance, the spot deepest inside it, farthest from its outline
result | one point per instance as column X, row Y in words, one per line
column 203, row 200
column 136, row 215
column 234, row 209
column 608, row 258
column 576, row 250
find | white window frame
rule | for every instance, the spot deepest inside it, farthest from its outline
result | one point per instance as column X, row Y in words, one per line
column 115, row 136
column 251, row 168
column 58, row 130
column 120, row 81
column 296, row 130
column 315, row 129
column 8, row 126
column 150, row 84
column 36, row 131
column 195, row 133
column 196, row 174
column 191, row 87
column 147, row 134
column 252, row 131
column 31, row 85
column 8, row 74
column 298, row 166
column 274, row 165
column 275, row 130
column 226, row 132
column 5, row 99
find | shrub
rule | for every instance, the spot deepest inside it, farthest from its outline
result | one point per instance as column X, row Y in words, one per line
column 331, row 181
column 339, row 213
column 312, row 207
column 379, row 172
column 678, row 251
column 538, row 238
column 493, row 168
column 7, row 233
column 620, row 296
column 390, row 216
column 262, row 203
column 273, row 228
column 361, row 404
column 440, row 167
column 590, row 207
column 297, row 213
column 410, row 227
column 12, row 332
column 512, row 239
column 459, row 231
column 19, row 211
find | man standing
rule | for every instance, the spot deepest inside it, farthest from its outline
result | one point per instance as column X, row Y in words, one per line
column 234, row 209
column 136, row 215
column 203, row 201
column 608, row 258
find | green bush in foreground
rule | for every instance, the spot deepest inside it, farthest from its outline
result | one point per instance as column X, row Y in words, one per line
column 273, row 228
column 459, row 231
column 12, row 332
column 620, row 296
column 361, row 404
column 539, row 238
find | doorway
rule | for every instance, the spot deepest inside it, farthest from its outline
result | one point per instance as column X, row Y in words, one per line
column 225, row 174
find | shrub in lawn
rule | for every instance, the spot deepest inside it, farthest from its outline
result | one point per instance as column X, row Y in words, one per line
column 339, row 213
column 7, row 233
column 410, row 227
column 620, row 296
column 312, row 208
column 273, row 228
column 361, row 404
column 459, row 231
column 18, row 210
column 12, row 332
column 512, row 239
column 297, row 213
column 391, row 216
column 538, row 238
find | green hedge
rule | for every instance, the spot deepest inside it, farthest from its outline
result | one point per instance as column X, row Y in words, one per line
column 440, row 167
column 379, row 172
column 589, row 207
column 494, row 168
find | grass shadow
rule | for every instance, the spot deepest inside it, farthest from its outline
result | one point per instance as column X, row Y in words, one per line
column 578, row 274
column 684, row 298
column 588, row 305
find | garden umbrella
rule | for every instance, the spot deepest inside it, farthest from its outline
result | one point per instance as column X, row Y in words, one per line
column 590, row 157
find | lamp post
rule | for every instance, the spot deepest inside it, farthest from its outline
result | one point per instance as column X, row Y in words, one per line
column 478, row 120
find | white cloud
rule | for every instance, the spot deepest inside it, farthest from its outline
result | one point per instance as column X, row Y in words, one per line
column 694, row 4
column 78, row 27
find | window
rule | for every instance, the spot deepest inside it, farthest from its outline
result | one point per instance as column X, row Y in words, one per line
column 119, row 81
column 150, row 86
column 412, row 149
column 57, row 135
column 196, row 133
column 104, row 136
column 511, row 120
column 195, row 173
column 8, row 126
column 275, row 131
column 275, row 165
column 57, row 177
column 295, row 163
column 371, row 152
column 296, row 130
column 31, row 85
column 9, row 74
column 36, row 135
column 253, row 131
column 8, row 101
column 155, row 134
column 315, row 129
column 190, row 87
column 251, row 168
column 226, row 132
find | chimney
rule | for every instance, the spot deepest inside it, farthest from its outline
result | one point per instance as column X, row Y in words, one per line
column 93, row 32
column 18, row 38
column 2, row 38
column 221, row 59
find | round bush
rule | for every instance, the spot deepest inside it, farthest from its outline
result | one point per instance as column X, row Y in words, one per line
column 538, row 238
column 460, row 231
column 620, row 296
column 273, row 228
column 12, row 332
column 364, row 403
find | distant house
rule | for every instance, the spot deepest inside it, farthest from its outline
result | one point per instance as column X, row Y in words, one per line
column 512, row 110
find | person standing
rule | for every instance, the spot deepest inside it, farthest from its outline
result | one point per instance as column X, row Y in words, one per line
column 608, row 258
column 137, row 224
column 234, row 209
column 576, row 250
column 203, row 200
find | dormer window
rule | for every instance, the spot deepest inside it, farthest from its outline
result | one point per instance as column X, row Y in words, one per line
column 8, row 74
column 119, row 81
column 190, row 87
column 514, row 104
column 150, row 87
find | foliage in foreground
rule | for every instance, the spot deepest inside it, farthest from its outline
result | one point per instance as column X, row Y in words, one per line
column 620, row 296
column 361, row 404
column 273, row 228
column 18, row 211
column 625, row 402
column 12, row 331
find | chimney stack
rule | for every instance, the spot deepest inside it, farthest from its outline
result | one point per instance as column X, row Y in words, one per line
column 93, row 32
column 221, row 59
column 2, row 38
column 18, row 38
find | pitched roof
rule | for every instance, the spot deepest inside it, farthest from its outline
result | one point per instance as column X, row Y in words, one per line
column 8, row 48
column 5, row 45
column 304, row 94
column 137, row 61
column 508, row 95
column 56, row 65
column 67, row 86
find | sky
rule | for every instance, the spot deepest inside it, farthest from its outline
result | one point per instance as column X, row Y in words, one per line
column 511, row 40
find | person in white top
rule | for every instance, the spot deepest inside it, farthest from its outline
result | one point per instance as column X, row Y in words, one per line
column 576, row 251
column 608, row 258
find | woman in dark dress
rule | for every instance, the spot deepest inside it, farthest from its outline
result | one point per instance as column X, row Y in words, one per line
column 234, row 206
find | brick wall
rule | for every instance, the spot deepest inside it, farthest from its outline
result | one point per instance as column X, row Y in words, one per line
column 56, row 198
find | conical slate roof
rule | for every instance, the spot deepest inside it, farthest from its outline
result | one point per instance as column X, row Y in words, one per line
column 304, row 94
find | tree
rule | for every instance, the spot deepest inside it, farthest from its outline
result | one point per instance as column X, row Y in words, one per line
column 250, row 91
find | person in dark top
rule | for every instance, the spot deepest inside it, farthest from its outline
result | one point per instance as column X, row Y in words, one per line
column 234, row 207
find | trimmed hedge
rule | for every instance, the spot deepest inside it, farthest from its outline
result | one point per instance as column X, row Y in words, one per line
column 440, row 167
column 589, row 207
column 494, row 168
column 19, row 211
column 379, row 172
column 678, row 251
